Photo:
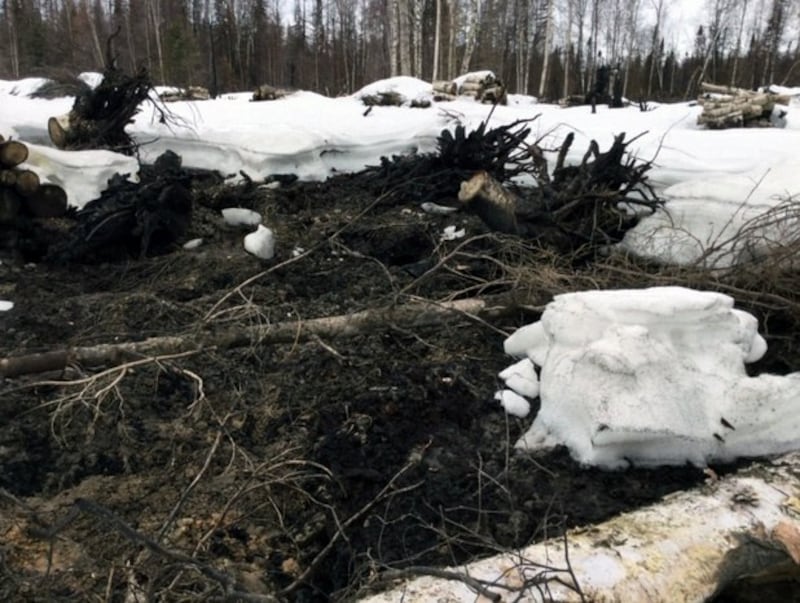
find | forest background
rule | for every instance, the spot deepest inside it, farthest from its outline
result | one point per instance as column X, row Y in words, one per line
column 546, row 48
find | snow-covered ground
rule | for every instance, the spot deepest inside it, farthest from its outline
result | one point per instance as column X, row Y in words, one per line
column 651, row 377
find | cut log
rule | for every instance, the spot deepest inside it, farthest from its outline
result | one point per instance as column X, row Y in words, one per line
column 26, row 182
column 445, row 87
column 12, row 153
column 492, row 203
column 57, row 129
column 48, row 201
column 411, row 315
column 689, row 547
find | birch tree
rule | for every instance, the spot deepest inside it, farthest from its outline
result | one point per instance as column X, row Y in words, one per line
column 472, row 22
column 547, row 38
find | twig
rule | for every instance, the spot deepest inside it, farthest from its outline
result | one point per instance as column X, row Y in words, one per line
column 387, row 490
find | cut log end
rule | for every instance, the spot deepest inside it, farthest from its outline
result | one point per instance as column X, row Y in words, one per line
column 12, row 153
column 26, row 182
column 495, row 205
column 470, row 189
column 57, row 129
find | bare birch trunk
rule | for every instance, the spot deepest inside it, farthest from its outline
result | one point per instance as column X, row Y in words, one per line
column 437, row 39
column 394, row 37
column 451, row 39
column 153, row 10
column 548, row 33
column 417, row 9
column 97, row 49
column 739, row 33
column 565, row 93
column 473, row 19
column 403, row 32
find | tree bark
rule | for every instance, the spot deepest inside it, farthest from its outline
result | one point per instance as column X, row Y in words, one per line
column 688, row 547
column 547, row 39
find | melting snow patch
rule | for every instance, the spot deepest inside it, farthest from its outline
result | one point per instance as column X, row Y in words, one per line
column 5, row 306
column 653, row 376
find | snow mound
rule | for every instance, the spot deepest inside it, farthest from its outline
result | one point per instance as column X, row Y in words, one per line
column 654, row 377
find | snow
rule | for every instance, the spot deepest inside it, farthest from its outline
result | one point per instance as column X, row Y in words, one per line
column 653, row 376
column 644, row 376
column 261, row 243
column 241, row 216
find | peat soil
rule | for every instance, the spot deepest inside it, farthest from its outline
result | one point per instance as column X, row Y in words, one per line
column 301, row 469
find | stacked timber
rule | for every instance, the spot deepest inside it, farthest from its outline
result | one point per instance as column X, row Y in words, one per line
column 21, row 191
column 265, row 92
column 192, row 93
column 728, row 107
column 483, row 86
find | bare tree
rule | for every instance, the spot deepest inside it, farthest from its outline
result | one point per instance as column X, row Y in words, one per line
column 547, row 39
column 472, row 18
column 742, row 6
column 437, row 40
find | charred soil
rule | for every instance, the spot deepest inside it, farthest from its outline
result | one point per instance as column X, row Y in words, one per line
column 298, row 470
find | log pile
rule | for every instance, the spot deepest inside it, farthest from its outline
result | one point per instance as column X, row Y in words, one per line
column 192, row 93
column 727, row 107
column 265, row 92
column 22, row 194
column 483, row 86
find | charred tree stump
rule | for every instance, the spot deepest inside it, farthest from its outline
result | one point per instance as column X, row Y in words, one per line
column 130, row 218
column 99, row 116
column 582, row 207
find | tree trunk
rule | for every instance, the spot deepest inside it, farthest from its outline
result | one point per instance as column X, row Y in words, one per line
column 568, row 51
column 437, row 38
column 473, row 22
column 548, row 33
column 689, row 547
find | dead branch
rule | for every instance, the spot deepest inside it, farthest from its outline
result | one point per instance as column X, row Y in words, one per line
column 232, row 589
column 417, row 314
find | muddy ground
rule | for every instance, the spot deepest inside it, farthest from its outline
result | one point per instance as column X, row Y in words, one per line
column 299, row 469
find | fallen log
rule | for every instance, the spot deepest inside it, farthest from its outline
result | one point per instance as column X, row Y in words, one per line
column 416, row 314
column 691, row 546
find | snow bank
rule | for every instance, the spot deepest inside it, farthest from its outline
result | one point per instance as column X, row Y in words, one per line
column 82, row 174
column 654, row 376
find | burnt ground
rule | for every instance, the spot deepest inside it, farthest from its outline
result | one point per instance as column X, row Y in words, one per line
column 298, row 469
